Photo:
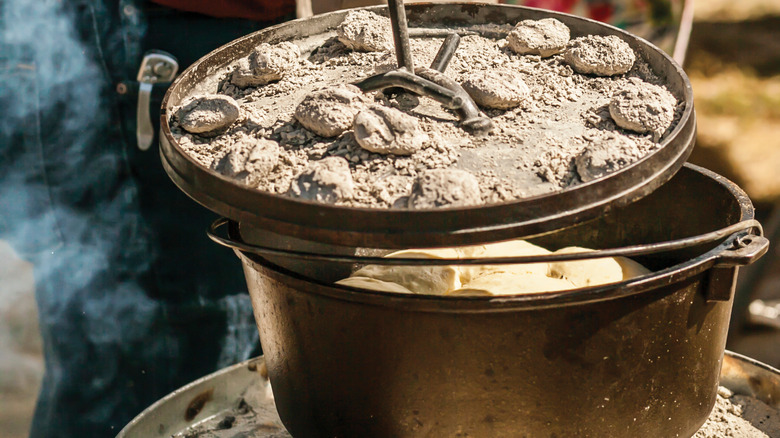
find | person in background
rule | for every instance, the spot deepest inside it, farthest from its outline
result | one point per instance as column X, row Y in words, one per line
column 133, row 300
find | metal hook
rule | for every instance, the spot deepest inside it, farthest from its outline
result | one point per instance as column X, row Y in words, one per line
column 430, row 82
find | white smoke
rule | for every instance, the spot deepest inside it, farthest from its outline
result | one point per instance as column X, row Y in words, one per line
column 55, row 167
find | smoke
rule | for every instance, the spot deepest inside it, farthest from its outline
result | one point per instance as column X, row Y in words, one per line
column 68, row 205
column 55, row 167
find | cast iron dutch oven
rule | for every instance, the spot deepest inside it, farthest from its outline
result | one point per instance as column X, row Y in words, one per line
column 635, row 359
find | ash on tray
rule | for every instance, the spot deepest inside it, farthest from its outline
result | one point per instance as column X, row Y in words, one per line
column 548, row 118
column 735, row 416
column 740, row 416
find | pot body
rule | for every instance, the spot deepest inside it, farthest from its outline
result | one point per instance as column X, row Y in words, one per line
column 645, row 365
column 638, row 358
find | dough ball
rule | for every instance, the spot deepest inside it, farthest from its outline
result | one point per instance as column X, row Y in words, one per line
column 444, row 188
column 365, row 31
column 544, row 37
column 208, row 115
column 330, row 111
column 434, row 280
column 388, row 131
column 642, row 107
column 509, row 283
column 500, row 89
column 586, row 273
column 327, row 180
column 600, row 55
column 267, row 63
column 373, row 284
column 631, row 269
column 509, row 248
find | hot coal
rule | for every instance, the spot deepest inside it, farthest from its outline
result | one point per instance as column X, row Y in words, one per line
column 740, row 416
column 545, row 37
column 208, row 114
column 600, row 55
column 643, row 107
column 250, row 159
column 330, row 111
column 544, row 139
column 387, row 130
column 608, row 153
column 496, row 89
column 366, row 31
column 326, row 180
column 444, row 188
column 265, row 64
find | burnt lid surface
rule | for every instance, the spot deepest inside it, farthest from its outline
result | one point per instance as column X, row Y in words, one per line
column 399, row 228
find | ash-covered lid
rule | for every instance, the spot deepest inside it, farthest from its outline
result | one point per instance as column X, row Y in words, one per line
column 578, row 127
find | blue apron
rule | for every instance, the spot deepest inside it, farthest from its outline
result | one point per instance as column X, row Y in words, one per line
column 133, row 299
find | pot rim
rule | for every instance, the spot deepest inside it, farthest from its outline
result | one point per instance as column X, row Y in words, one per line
column 485, row 304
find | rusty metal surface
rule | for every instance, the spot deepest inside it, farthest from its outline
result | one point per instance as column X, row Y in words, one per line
column 398, row 228
column 257, row 418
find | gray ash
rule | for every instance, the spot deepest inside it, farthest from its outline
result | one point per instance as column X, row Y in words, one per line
column 536, row 147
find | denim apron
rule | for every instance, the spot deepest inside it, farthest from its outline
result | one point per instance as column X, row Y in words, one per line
column 133, row 299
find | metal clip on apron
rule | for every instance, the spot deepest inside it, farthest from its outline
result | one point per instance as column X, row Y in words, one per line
column 157, row 66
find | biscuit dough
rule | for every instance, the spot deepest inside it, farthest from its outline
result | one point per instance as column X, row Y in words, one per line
column 373, row 284
column 488, row 280
column 432, row 280
column 511, row 248
column 594, row 272
column 510, row 283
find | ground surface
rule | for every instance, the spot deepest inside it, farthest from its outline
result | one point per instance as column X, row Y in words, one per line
column 734, row 65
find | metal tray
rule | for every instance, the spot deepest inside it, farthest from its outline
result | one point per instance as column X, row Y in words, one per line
column 237, row 401
column 399, row 228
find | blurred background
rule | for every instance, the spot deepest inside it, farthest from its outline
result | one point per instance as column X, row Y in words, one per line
column 734, row 64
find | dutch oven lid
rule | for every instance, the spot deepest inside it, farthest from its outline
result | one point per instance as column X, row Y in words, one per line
column 403, row 228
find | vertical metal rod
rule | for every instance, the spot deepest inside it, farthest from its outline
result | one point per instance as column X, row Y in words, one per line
column 403, row 50
column 446, row 52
